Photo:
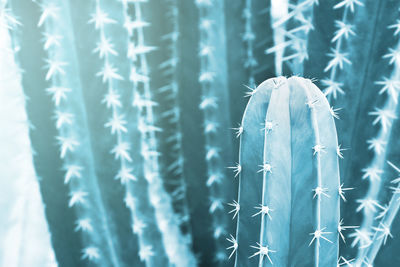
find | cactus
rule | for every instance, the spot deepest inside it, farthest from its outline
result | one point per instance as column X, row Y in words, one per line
column 176, row 246
column 75, row 145
column 214, row 88
column 24, row 229
column 142, row 214
column 288, row 148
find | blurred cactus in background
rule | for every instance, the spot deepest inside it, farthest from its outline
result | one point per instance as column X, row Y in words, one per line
column 122, row 119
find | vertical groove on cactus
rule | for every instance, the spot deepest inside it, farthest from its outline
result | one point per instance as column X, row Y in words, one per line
column 298, row 160
column 339, row 58
column 176, row 245
column 298, row 24
column 23, row 227
column 384, row 117
column 75, row 148
column 172, row 119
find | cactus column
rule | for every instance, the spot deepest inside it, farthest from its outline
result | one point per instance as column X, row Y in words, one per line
column 23, row 227
column 177, row 247
column 92, row 222
column 289, row 178
column 215, row 96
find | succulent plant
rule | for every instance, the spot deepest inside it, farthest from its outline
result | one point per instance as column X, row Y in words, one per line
column 121, row 113
column 289, row 188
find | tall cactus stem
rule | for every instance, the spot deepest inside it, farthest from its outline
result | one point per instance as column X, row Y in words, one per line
column 75, row 148
column 298, row 159
column 176, row 245
column 173, row 117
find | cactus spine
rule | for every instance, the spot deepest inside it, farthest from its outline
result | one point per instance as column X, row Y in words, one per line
column 24, row 230
column 298, row 160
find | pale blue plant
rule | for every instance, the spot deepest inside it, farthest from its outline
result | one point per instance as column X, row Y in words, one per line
column 289, row 186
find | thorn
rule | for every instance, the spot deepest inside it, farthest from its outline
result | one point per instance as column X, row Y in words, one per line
column 236, row 208
column 319, row 233
column 265, row 168
column 318, row 148
column 236, row 169
column 262, row 251
column 264, row 210
column 234, row 246
column 342, row 228
column 251, row 91
column 320, row 191
column 342, row 191
column 334, row 112
column 238, row 131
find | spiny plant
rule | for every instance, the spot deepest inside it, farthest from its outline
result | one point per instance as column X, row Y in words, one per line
column 125, row 81
column 71, row 122
column 288, row 148
column 141, row 212
column 131, row 128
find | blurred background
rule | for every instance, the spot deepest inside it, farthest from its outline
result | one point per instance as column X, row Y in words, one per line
column 120, row 123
